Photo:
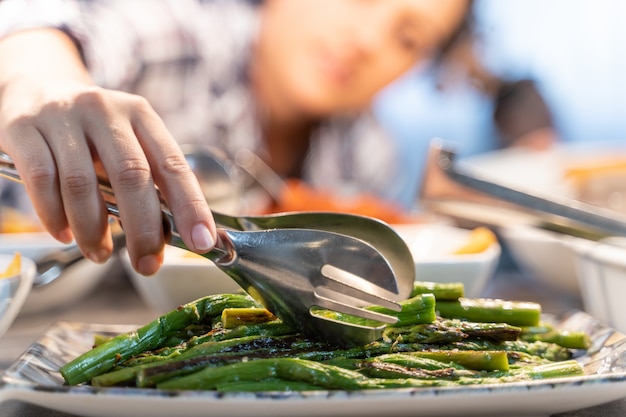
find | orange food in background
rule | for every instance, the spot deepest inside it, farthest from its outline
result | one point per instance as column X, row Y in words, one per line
column 14, row 267
column 478, row 241
column 14, row 221
column 298, row 196
column 599, row 180
column 596, row 167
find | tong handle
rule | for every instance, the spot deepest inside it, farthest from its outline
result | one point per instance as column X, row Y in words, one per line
column 222, row 252
column 592, row 216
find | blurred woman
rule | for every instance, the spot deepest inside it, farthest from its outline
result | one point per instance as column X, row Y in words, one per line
column 113, row 87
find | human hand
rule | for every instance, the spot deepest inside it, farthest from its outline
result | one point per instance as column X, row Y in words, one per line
column 63, row 132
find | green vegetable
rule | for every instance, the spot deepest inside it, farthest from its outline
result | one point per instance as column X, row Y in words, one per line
column 416, row 310
column 229, row 343
column 515, row 313
column 105, row 356
column 450, row 291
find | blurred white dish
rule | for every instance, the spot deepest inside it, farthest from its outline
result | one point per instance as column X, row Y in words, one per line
column 433, row 246
column 183, row 277
column 559, row 169
column 14, row 290
column 545, row 256
column 602, row 278
column 76, row 282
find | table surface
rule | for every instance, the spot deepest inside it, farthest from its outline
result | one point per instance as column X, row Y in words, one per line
column 116, row 302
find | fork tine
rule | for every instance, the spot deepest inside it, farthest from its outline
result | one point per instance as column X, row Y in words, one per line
column 355, row 311
column 341, row 303
column 355, row 296
column 342, row 280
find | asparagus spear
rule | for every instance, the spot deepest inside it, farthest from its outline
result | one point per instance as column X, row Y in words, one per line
column 547, row 333
column 269, row 384
column 450, row 331
column 518, row 349
column 515, row 313
column 442, row 291
column 477, row 360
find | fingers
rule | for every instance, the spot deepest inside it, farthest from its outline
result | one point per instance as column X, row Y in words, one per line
column 176, row 181
column 57, row 152
column 134, row 166
column 54, row 161
column 38, row 172
column 78, row 187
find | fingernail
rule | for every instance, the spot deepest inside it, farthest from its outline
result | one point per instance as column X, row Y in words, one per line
column 98, row 256
column 65, row 236
column 201, row 237
column 148, row 264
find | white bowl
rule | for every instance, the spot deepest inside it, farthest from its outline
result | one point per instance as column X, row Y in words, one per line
column 546, row 256
column 76, row 281
column 433, row 246
column 14, row 290
column 183, row 277
column 602, row 278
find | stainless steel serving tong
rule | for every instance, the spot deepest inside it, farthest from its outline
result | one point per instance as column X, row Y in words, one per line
column 575, row 213
column 290, row 271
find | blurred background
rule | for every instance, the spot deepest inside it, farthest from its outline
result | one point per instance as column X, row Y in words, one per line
column 571, row 50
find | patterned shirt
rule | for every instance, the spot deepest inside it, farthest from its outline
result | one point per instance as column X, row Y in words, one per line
column 189, row 59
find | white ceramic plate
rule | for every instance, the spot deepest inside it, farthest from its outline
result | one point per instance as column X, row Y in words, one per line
column 34, row 378
column 433, row 246
column 76, row 282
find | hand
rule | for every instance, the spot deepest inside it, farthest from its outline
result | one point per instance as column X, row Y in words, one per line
column 62, row 132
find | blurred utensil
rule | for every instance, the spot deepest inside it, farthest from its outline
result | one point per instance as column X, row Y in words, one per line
column 217, row 176
column 291, row 271
column 52, row 265
column 585, row 216
column 262, row 173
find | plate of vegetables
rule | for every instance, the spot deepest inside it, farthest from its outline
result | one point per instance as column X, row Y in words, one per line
column 224, row 354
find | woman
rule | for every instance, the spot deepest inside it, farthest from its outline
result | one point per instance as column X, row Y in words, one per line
column 112, row 87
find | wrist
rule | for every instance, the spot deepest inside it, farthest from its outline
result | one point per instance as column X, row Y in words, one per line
column 37, row 55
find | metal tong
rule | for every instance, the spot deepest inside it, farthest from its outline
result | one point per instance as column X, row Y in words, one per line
column 292, row 271
column 584, row 216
